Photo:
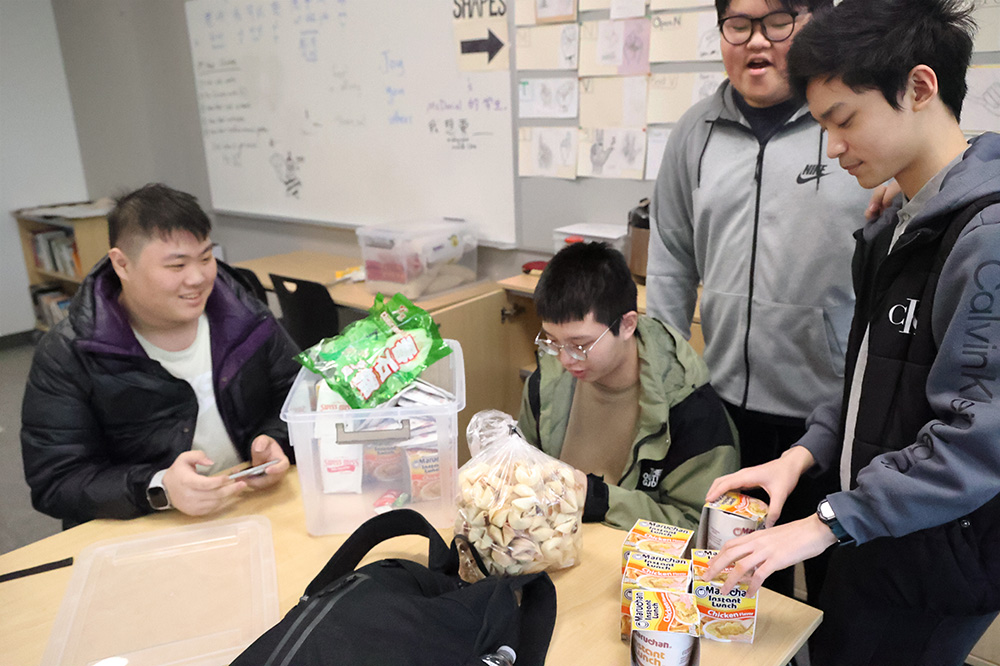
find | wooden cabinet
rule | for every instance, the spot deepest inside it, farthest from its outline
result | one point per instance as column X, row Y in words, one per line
column 88, row 241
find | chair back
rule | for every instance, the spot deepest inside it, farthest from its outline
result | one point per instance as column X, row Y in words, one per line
column 307, row 311
column 252, row 283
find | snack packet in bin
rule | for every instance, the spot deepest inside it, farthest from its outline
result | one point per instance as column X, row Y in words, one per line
column 374, row 358
column 519, row 507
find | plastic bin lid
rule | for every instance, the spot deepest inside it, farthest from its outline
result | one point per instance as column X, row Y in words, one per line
column 196, row 596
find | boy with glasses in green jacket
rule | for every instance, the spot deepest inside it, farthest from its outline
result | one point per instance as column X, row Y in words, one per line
column 622, row 397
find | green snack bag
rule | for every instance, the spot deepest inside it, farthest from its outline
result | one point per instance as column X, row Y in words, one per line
column 376, row 357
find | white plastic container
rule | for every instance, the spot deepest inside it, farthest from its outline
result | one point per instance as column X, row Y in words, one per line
column 398, row 442
column 614, row 235
column 195, row 595
column 418, row 258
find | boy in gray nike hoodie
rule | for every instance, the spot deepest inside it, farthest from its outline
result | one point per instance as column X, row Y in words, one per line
column 915, row 435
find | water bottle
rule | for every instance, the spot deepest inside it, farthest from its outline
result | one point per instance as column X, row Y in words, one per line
column 504, row 656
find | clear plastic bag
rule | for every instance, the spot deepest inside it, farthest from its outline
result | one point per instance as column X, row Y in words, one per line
column 519, row 507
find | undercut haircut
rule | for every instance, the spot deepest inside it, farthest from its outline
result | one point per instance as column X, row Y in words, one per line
column 874, row 44
column 722, row 6
column 154, row 210
column 586, row 278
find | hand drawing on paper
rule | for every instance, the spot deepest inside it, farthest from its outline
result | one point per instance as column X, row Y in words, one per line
column 632, row 151
column 545, row 156
column 569, row 44
column 287, row 169
column 599, row 154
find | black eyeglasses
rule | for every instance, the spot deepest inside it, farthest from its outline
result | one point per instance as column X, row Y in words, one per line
column 776, row 27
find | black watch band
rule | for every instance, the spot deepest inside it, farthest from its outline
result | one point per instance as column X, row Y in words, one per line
column 829, row 518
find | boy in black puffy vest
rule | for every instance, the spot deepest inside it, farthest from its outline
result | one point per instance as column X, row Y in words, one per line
column 916, row 579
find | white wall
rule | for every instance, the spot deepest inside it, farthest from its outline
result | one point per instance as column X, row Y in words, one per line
column 39, row 154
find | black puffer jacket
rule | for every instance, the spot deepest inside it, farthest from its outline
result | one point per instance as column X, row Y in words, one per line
column 100, row 417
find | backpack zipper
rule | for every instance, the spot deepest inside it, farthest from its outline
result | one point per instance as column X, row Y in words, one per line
column 316, row 609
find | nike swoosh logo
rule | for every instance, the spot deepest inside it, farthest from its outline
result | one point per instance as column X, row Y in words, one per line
column 803, row 180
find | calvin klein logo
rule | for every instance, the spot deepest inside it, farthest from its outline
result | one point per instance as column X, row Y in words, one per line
column 811, row 172
column 905, row 315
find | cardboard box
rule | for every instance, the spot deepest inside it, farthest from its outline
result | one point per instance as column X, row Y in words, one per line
column 665, row 629
column 648, row 571
column 730, row 618
column 658, row 538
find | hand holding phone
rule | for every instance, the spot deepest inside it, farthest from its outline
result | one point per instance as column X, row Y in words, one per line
column 253, row 471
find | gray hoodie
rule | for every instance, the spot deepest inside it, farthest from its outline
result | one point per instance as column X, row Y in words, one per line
column 905, row 491
column 767, row 231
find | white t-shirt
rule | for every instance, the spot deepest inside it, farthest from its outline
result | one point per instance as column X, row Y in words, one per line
column 194, row 365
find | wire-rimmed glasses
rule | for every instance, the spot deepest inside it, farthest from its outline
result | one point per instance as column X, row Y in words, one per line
column 575, row 352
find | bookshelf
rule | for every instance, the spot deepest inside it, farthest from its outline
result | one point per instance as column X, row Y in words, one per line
column 76, row 235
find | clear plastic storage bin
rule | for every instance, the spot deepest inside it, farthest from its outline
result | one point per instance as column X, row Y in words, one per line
column 418, row 258
column 196, row 595
column 354, row 463
column 590, row 232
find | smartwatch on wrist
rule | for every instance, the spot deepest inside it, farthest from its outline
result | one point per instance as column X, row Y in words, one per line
column 829, row 518
column 156, row 492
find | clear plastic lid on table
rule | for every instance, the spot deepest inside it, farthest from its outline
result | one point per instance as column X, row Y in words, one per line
column 195, row 595
column 354, row 463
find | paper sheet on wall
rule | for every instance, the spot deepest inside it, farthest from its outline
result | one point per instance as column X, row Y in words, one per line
column 555, row 11
column 594, row 5
column 548, row 98
column 987, row 16
column 981, row 110
column 482, row 45
column 613, row 102
column 547, row 152
column 683, row 37
column 671, row 94
column 622, row 9
column 614, row 48
column 548, row 46
column 660, row 5
column 524, row 12
column 611, row 153
column 656, row 143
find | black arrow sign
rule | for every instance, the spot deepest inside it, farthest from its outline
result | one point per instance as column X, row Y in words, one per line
column 490, row 45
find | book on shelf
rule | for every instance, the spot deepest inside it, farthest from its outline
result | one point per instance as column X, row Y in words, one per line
column 51, row 303
column 55, row 251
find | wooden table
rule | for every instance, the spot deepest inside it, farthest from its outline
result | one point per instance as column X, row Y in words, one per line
column 322, row 268
column 588, row 594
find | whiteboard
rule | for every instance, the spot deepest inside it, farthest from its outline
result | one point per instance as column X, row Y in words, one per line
column 350, row 112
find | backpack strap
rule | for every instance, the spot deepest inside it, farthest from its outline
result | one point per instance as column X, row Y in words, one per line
column 400, row 522
column 535, row 399
column 538, row 616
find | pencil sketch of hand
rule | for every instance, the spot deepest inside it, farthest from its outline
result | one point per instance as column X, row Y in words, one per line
column 631, row 149
column 599, row 154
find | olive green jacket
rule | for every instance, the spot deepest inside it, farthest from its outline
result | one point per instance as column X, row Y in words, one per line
column 684, row 438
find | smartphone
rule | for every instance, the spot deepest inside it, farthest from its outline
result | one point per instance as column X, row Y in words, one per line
column 253, row 471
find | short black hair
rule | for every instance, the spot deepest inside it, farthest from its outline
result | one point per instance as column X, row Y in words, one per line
column 584, row 278
column 722, row 6
column 874, row 44
column 155, row 210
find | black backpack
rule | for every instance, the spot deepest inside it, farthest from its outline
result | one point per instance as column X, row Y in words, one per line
column 395, row 612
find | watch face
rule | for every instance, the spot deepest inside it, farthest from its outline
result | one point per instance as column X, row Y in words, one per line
column 826, row 511
column 157, row 497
